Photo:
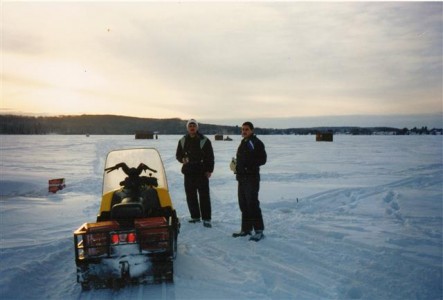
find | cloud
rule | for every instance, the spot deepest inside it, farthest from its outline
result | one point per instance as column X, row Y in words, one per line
column 260, row 59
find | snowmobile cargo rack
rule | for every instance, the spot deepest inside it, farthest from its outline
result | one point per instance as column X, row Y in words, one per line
column 152, row 235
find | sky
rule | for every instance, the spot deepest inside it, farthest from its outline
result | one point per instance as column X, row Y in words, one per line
column 217, row 61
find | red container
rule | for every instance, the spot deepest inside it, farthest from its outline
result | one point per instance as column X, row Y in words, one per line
column 153, row 233
column 55, row 185
column 96, row 237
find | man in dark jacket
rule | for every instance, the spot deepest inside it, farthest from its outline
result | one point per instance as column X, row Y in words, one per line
column 195, row 152
column 251, row 155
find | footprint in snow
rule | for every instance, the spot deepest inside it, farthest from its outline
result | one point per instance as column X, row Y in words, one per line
column 389, row 197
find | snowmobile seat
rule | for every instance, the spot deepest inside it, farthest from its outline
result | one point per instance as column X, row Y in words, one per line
column 117, row 197
column 127, row 211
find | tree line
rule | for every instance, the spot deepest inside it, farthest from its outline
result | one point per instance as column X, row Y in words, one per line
column 123, row 125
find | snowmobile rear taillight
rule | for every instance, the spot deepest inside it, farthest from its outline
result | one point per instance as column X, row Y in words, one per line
column 114, row 239
column 123, row 238
column 131, row 238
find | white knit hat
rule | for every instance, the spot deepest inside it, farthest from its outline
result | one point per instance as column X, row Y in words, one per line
column 192, row 121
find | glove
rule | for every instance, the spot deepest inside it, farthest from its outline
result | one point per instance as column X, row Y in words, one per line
column 233, row 165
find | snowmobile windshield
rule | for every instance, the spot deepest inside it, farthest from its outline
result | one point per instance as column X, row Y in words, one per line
column 133, row 158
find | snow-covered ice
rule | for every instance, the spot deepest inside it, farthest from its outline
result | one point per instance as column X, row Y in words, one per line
column 358, row 218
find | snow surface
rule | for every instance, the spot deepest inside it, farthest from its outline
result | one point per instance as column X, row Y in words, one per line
column 358, row 218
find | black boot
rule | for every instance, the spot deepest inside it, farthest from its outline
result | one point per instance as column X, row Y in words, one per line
column 241, row 233
column 196, row 220
column 257, row 236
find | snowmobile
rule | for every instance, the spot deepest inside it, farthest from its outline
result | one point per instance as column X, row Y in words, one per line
column 134, row 239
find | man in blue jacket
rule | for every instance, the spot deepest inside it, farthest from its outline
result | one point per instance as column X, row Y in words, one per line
column 195, row 152
column 251, row 155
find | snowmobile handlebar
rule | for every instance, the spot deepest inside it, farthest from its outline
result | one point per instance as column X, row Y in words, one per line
column 130, row 171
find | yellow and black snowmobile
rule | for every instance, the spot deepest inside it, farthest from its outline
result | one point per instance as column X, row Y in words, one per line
column 134, row 238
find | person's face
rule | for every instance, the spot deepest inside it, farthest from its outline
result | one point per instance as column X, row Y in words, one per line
column 192, row 129
column 246, row 132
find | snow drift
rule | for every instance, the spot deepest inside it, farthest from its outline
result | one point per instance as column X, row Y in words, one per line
column 359, row 218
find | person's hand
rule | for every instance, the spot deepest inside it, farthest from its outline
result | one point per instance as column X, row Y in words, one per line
column 233, row 165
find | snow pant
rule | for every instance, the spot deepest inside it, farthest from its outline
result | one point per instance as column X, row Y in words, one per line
column 197, row 196
column 248, row 187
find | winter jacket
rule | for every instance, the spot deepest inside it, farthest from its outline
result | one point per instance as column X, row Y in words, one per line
column 198, row 150
column 251, row 154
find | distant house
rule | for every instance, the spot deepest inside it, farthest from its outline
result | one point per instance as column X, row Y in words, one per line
column 324, row 137
column 220, row 137
column 146, row 135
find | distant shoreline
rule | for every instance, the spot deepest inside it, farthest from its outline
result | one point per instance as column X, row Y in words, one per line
column 123, row 125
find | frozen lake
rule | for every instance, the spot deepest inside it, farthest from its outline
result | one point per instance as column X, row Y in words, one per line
column 358, row 218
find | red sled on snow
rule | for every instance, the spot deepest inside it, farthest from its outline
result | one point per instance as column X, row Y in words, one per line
column 56, row 185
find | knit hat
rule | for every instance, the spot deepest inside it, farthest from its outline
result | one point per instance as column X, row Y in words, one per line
column 192, row 121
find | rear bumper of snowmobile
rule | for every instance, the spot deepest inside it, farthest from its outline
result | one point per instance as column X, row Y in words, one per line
column 109, row 256
column 109, row 272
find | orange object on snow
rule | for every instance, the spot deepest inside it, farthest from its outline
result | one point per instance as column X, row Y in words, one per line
column 56, row 185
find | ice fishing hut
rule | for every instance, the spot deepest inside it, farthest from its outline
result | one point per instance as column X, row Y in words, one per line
column 324, row 136
column 218, row 137
column 146, row 135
